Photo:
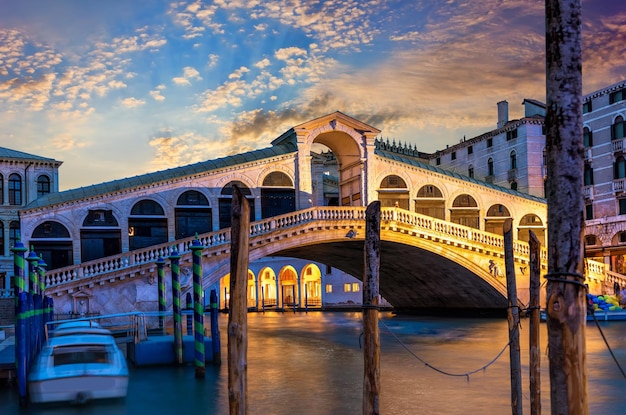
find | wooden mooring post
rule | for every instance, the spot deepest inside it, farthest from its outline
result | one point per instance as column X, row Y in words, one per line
column 238, row 309
column 371, row 302
column 513, row 319
column 534, row 324
column 565, row 291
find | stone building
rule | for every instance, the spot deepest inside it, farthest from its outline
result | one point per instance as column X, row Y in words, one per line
column 23, row 178
column 512, row 155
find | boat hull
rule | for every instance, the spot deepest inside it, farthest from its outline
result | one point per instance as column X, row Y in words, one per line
column 78, row 389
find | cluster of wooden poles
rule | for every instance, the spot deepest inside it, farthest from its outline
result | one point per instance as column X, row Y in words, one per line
column 198, row 309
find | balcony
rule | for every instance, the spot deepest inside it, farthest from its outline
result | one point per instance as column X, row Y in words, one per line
column 618, row 185
column 618, row 145
column 512, row 175
column 587, row 154
column 588, row 192
column 490, row 179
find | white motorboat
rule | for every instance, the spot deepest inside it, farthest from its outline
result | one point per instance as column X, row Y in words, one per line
column 78, row 364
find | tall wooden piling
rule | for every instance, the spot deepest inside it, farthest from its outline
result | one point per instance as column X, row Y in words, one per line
column 161, row 291
column 566, row 294
column 198, row 309
column 371, row 302
column 534, row 324
column 238, row 310
column 513, row 319
column 215, row 330
column 178, row 318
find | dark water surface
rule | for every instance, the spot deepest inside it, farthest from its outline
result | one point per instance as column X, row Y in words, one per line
column 312, row 364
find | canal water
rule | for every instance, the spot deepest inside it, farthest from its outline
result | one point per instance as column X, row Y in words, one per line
column 312, row 364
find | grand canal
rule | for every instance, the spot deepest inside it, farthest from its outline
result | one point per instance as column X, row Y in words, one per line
column 312, row 364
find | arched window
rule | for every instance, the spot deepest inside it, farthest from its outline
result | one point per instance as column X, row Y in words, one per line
column 531, row 222
column 15, row 189
column 430, row 202
column 43, row 185
column 513, row 157
column 465, row 211
column 193, row 214
column 494, row 220
column 278, row 195
column 52, row 242
column 225, row 202
column 490, row 167
column 393, row 192
column 587, row 137
column 101, row 235
column 617, row 129
column 147, row 225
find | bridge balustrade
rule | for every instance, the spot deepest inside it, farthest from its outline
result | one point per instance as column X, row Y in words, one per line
column 433, row 228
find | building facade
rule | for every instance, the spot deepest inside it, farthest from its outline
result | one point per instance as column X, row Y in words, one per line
column 513, row 155
column 23, row 178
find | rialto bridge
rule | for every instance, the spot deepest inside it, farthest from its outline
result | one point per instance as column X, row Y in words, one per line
column 441, row 243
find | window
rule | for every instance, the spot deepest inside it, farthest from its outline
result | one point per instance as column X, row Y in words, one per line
column 622, row 237
column 453, row 155
column 619, row 169
column 14, row 233
column 622, row 206
column 1, row 189
column 587, row 137
column 617, row 129
column 587, row 107
column 470, row 171
column 490, row 167
column 329, row 269
column 347, row 287
column 590, row 240
column 513, row 185
column 588, row 175
column 43, row 185
column 15, row 189
column 589, row 213
column 470, row 150
column 510, row 135
column 438, row 161
column 490, row 142
column 513, row 158
column 545, row 156
column 617, row 96
column 356, row 287
column 329, row 288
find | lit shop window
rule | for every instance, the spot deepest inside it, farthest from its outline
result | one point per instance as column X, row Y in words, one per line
column 329, row 288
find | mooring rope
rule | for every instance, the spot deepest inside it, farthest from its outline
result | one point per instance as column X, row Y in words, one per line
column 443, row 372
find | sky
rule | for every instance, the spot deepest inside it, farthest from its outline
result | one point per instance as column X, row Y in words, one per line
column 120, row 88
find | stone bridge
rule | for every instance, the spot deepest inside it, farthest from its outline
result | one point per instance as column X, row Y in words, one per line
column 425, row 263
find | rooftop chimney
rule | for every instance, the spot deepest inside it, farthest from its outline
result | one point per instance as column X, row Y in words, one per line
column 503, row 113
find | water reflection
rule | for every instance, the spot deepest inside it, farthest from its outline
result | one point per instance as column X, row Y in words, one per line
column 312, row 364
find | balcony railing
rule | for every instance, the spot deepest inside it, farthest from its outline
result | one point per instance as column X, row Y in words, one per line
column 618, row 185
column 618, row 145
column 512, row 175
column 588, row 192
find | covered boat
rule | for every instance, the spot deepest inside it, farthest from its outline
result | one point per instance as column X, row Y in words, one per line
column 79, row 365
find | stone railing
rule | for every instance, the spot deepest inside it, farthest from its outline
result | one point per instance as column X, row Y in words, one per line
column 446, row 232
column 151, row 254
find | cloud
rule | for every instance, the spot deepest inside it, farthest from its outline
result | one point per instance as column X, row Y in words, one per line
column 132, row 102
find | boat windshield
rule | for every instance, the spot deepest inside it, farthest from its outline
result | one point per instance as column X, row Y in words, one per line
column 68, row 355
